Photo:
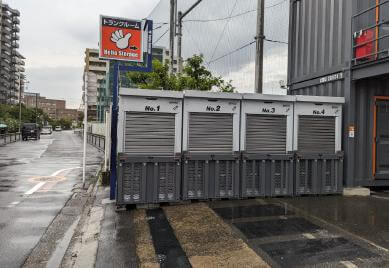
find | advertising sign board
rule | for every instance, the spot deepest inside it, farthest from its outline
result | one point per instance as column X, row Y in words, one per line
column 121, row 39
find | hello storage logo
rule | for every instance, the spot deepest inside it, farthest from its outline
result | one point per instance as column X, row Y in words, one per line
column 121, row 39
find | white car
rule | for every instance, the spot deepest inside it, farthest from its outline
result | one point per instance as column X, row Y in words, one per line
column 58, row 128
column 46, row 130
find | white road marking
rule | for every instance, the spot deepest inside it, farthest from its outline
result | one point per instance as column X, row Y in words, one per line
column 349, row 264
column 66, row 169
column 13, row 204
column 35, row 188
column 309, row 236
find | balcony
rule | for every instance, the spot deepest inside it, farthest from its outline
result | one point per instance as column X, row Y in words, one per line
column 15, row 45
column 15, row 37
column 15, row 20
column 370, row 28
column 6, row 22
column 15, row 29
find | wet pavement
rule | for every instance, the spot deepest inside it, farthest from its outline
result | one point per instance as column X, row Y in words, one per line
column 330, row 231
column 36, row 181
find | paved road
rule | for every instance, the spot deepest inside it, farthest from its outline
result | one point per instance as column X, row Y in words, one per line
column 36, row 180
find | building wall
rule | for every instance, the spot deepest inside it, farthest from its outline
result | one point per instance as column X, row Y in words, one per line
column 11, row 61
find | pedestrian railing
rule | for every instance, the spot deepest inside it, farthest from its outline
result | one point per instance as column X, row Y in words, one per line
column 95, row 140
column 9, row 138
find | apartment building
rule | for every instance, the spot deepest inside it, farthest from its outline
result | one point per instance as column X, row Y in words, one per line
column 11, row 61
column 97, row 70
column 55, row 109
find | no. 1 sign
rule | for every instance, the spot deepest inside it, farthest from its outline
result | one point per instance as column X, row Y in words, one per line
column 121, row 39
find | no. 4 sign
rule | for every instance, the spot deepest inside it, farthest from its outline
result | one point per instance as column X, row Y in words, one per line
column 121, row 39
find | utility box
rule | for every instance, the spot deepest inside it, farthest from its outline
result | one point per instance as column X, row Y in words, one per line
column 211, row 123
column 318, row 145
column 149, row 146
column 266, row 142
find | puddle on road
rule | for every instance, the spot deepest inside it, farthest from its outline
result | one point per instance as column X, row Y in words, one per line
column 276, row 227
column 231, row 213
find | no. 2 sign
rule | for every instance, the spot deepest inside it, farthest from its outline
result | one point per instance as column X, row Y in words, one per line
column 121, row 39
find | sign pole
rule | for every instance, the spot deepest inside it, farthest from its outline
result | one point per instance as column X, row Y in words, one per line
column 114, row 123
column 85, row 128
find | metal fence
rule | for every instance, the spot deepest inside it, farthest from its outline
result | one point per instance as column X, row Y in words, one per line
column 9, row 138
column 95, row 140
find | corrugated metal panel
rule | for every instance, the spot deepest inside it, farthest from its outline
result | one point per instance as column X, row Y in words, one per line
column 333, row 89
column 316, row 134
column 320, row 39
column 265, row 133
column 210, row 133
column 149, row 133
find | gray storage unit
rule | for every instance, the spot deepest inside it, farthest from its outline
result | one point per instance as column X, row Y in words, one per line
column 149, row 146
column 318, row 145
column 211, row 145
column 266, row 142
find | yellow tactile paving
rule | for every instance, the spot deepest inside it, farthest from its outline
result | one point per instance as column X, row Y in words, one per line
column 144, row 244
column 207, row 240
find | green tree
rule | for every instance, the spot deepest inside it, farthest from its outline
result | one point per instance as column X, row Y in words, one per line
column 195, row 77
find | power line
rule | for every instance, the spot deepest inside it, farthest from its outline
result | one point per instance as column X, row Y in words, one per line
column 159, row 38
column 224, row 29
column 232, row 52
column 275, row 41
column 242, row 47
column 225, row 18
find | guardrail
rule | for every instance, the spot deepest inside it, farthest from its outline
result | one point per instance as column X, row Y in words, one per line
column 9, row 138
column 95, row 140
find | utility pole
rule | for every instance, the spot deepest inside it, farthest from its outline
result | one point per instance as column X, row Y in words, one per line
column 259, row 49
column 179, row 33
column 173, row 11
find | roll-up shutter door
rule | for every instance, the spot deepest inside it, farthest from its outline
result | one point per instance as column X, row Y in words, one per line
column 265, row 133
column 210, row 133
column 149, row 133
column 316, row 134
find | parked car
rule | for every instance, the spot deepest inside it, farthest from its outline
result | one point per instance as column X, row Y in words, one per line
column 58, row 128
column 31, row 130
column 47, row 130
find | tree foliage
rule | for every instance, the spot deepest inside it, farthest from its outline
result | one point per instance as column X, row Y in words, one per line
column 195, row 76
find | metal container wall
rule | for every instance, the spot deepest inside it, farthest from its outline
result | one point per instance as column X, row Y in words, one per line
column 266, row 143
column 366, row 90
column 211, row 123
column 318, row 145
column 149, row 146
column 319, row 39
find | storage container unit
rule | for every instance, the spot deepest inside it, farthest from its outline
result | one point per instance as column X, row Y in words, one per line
column 266, row 143
column 211, row 145
column 149, row 146
column 318, row 145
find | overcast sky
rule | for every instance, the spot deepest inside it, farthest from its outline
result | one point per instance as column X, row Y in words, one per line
column 54, row 35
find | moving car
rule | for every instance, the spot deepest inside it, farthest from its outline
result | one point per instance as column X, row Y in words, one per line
column 47, row 130
column 58, row 128
column 30, row 130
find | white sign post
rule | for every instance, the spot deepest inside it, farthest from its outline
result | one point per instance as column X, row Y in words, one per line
column 85, row 127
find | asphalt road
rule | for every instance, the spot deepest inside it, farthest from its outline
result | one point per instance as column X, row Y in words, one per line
column 36, row 181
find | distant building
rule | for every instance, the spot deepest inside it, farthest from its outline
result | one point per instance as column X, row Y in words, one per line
column 11, row 61
column 163, row 55
column 98, row 69
column 70, row 114
column 55, row 109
